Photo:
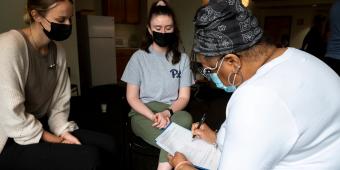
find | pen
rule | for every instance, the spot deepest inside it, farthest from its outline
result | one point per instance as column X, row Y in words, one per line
column 200, row 123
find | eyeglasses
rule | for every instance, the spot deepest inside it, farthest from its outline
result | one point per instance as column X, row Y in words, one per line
column 207, row 71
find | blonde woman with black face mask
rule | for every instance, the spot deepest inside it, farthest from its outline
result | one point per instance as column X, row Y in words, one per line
column 35, row 87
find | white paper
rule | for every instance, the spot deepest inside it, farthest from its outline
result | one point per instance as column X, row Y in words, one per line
column 200, row 153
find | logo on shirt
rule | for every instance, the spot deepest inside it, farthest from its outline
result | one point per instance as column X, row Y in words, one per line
column 175, row 73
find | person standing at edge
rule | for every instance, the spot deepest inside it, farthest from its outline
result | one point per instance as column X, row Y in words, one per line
column 313, row 43
column 332, row 57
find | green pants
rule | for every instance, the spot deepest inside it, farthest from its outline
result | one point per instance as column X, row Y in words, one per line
column 143, row 128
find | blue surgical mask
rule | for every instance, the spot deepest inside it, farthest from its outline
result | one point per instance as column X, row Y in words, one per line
column 220, row 85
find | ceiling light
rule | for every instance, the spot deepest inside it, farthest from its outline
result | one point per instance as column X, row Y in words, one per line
column 245, row 2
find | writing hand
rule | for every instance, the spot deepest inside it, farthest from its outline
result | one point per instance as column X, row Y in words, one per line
column 204, row 132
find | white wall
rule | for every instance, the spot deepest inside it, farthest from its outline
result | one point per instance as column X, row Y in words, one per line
column 11, row 17
column 185, row 11
column 11, row 14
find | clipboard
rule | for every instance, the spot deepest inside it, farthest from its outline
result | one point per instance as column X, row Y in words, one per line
column 203, row 155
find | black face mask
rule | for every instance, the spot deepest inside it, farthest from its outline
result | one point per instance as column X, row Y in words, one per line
column 59, row 32
column 164, row 39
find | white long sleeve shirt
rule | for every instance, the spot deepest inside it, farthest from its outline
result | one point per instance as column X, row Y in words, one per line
column 15, row 122
column 286, row 117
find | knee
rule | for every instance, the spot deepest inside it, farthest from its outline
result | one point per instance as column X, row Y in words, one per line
column 109, row 144
column 90, row 157
column 183, row 118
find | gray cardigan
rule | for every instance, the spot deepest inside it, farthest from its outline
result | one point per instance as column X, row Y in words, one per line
column 15, row 123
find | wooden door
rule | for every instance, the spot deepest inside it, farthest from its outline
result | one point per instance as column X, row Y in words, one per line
column 115, row 8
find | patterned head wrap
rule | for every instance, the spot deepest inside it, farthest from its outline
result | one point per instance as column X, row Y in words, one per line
column 223, row 27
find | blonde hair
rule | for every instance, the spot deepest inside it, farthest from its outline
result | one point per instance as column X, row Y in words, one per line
column 41, row 6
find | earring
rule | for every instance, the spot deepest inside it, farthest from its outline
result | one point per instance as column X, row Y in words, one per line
column 232, row 77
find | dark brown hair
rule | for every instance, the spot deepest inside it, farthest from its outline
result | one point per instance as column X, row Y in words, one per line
column 41, row 6
column 157, row 10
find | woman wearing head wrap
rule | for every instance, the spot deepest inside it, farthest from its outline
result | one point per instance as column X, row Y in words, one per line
column 284, row 112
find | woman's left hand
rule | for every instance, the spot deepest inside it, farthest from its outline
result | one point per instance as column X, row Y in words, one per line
column 162, row 119
column 68, row 138
column 176, row 159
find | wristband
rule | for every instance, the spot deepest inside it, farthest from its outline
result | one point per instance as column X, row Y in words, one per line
column 181, row 163
column 171, row 112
